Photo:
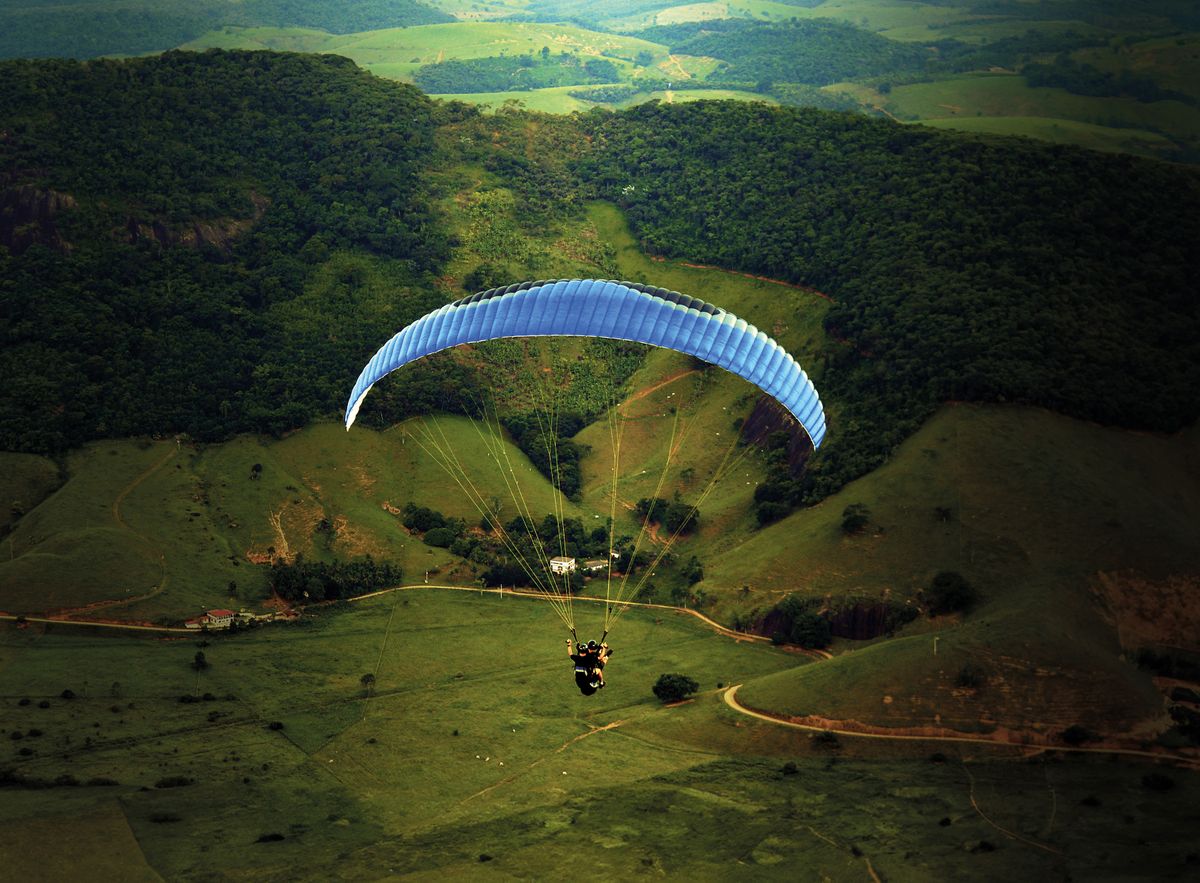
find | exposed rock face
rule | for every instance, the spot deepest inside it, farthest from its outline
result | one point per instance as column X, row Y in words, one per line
column 769, row 417
column 27, row 217
column 217, row 233
column 858, row 622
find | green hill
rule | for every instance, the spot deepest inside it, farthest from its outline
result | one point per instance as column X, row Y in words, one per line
column 161, row 531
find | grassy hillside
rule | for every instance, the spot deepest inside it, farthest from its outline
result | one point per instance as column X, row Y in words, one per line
column 159, row 531
column 1039, row 507
column 455, row 768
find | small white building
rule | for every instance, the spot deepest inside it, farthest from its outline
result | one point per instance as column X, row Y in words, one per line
column 559, row 564
column 595, row 565
column 214, row 619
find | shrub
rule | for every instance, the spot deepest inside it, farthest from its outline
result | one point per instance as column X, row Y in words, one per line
column 674, row 687
column 790, row 768
column 68, row 694
column 971, row 676
column 855, row 518
column 1157, row 782
column 163, row 818
column 1077, row 735
column 826, row 739
column 173, row 782
column 949, row 592
column 269, row 838
column 275, row 725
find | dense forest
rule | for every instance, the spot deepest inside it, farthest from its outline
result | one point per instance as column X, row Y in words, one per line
column 961, row 268
column 210, row 243
column 184, row 203
column 90, row 28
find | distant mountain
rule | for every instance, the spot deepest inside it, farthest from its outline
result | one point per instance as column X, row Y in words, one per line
column 87, row 29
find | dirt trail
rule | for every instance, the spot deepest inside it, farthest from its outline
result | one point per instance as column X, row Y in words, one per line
column 1008, row 739
column 559, row 750
column 116, row 514
column 647, row 390
column 679, row 70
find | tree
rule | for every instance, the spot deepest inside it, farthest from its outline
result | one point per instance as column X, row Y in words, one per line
column 855, row 518
column 950, row 592
column 199, row 662
column 810, row 630
column 674, row 687
column 368, row 682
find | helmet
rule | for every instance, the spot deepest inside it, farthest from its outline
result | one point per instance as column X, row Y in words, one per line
column 581, row 647
column 591, row 645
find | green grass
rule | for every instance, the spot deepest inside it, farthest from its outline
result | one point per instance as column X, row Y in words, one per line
column 974, row 96
column 25, row 480
column 397, row 52
column 198, row 519
column 1039, row 505
column 707, row 403
column 680, row 96
column 553, row 100
column 1061, row 131
column 1173, row 62
column 409, row 780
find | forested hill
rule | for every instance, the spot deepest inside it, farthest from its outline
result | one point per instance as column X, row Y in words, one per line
column 210, row 243
column 162, row 218
column 90, row 28
column 985, row 270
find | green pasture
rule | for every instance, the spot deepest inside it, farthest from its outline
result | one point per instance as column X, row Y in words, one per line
column 973, row 96
column 473, row 742
column 397, row 52
column 25, row 480
column 1173, row 62
column 193, row 520
column 1035, row 500
column 1034, row 507
column 553, row 100
column 684, row 95
column 1061, row 131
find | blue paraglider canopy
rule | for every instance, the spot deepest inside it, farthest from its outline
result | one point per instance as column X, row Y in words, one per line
column 604, row 308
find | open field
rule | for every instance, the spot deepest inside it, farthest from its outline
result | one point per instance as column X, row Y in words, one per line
column 450, row 759
column 1062, row 131
column 971, row 97
column 397, row 52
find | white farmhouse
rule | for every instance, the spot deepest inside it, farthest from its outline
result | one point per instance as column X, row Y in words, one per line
column 559, row 564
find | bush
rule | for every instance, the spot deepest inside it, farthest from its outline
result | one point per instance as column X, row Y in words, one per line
column 269, row 838
column 275, row 725
column 173, row 782
column 810, row 630
column 971, row 676
column 855, row 518
column 1077, row 735
column 441, row 537
column 674, row 687
column 826, row 739
column 1157, row 782
column 949, row 592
